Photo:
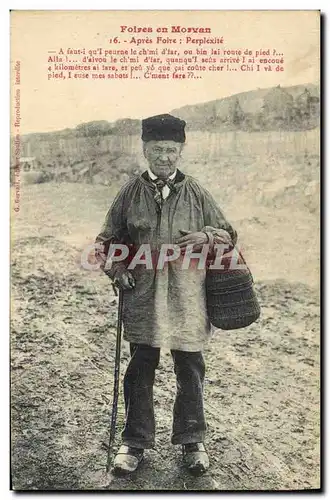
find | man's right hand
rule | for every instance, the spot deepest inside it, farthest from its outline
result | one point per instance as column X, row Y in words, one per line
column 121, row 277
column 124, row 280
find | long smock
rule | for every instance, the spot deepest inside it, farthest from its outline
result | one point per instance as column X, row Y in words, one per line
column 167, row 307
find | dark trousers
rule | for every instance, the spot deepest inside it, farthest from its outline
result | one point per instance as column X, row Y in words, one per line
column 188, row 415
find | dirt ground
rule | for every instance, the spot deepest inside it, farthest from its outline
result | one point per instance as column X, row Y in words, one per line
column 262, row 382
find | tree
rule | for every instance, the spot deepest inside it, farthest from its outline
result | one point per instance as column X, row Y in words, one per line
column 278, row 108
column 95, row 128
column 235, row 112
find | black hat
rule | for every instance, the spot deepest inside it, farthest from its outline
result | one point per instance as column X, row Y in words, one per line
column 163, row 128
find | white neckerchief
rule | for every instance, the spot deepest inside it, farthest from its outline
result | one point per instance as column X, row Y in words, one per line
column 166, row 189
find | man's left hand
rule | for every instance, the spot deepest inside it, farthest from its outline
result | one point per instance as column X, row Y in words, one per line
column 197, row 239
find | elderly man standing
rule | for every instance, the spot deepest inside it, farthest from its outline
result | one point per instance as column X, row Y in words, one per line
column 164, row 306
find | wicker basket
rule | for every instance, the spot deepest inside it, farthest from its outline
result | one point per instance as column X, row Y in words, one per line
column 231, row 299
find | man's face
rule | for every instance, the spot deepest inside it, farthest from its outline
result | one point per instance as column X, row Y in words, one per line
column 162, row 157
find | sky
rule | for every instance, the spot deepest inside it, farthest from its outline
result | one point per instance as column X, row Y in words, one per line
column 57, row 104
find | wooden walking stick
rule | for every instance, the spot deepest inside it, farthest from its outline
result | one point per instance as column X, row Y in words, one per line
column 116, row 376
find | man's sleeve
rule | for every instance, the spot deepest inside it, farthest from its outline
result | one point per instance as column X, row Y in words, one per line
column 214, row 218
column 114, row 230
